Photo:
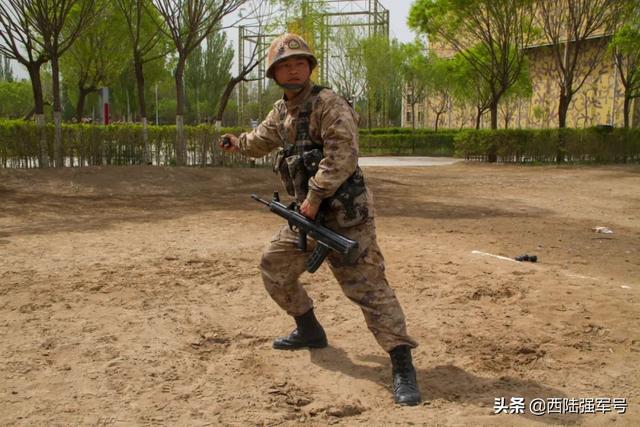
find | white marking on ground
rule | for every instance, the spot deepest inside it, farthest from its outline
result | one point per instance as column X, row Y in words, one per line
column 407, row 161
column 566, row 273
column 494, row 256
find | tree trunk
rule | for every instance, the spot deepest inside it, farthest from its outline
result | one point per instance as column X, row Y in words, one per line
column 494, row 115
column 142, row 105
column 137, row 64
column 369, row 112
column 563, row 107
column 82, row 97
column 437, row 120
column 478, row 117
column 627, row 109
column 42, row 132
column 57, row 112
column 224, row 100
column 181, row 149
column 146, row 156
column 492, row 157
column 36, row 86
column 413, row 114
column 180, row 143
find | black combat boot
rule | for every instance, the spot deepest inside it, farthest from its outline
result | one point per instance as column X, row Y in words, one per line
column 308, row 334
column 405, row 384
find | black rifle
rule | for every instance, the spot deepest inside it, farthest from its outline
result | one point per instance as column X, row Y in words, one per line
column 326, row 239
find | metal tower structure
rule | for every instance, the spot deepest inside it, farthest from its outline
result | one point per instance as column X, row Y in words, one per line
column 317, row 21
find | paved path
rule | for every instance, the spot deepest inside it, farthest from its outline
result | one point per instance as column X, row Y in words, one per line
column 407, row 161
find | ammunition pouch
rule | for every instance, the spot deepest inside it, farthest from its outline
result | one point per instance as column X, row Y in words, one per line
column 295, row 167
column 350, row 201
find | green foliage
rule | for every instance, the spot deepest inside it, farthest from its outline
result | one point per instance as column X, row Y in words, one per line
column 382, row 62
column 414, row 69
column 206, row 75
column 468, row 86
column 625, row 45
column 6, row 73
column 347, row 71
column 490, row 35
column 15, row 99
column 399, row 130
column 97, row 58
column 439, row 77
column 123, row 144
column 529, row 145
column 407, row 143
column 110, row 145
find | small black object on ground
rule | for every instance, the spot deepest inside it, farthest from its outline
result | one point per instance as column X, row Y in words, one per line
column 530, row 258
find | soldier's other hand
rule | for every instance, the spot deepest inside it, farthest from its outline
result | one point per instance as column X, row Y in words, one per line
column 230, row 143
column 309, row 210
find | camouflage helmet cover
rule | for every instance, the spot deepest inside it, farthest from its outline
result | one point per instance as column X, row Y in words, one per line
column 286, row 46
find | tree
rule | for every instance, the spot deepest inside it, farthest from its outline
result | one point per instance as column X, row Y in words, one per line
column 626, row 49
column 147, row 44
column 187, row 23
column 6, row 73
column 97, row 58
column 347, row 71
column 382, row 61
column 521, row 90
column 490, row 35
column 58, row 24
column 15, row 99
column 469, row 88
column 194, row 75
column 414, row 70
column 568, row 25
column 207, row 73
column 18, row 42
column 260, row 12
column 439, row 85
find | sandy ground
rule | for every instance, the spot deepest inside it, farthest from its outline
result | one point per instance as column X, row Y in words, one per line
column 131, row 296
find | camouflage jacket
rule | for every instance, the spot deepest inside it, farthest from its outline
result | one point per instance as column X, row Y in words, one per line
column 333, row 125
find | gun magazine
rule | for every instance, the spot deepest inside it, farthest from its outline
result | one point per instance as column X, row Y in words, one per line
column 317, row 257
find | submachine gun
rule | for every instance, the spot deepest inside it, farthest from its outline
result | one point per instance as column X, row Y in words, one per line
column 326, row 239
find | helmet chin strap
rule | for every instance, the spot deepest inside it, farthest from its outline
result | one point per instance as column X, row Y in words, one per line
column 291, row 86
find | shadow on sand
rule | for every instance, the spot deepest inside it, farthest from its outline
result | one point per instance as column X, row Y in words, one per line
column 448, row 382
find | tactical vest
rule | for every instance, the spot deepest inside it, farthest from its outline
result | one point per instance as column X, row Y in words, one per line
column 297, row 163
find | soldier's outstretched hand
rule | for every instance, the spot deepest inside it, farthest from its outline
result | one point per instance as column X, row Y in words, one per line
column 230, row 143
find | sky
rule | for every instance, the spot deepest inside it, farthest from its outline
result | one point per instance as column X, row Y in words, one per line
column 398, row 13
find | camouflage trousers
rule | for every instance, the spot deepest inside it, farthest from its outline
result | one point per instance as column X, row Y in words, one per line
column 364, row 282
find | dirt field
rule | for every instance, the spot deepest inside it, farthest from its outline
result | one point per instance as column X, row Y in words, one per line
column 131, row 296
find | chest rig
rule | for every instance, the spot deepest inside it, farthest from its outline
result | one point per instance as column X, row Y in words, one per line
column 297, row 163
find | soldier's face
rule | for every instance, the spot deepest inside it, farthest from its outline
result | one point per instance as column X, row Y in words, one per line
column 295, row 71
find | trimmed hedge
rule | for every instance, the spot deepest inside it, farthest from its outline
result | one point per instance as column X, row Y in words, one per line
column 411, row 144
column 407, row 131
column 123, row 144
column 598, row 144
column 111, row 145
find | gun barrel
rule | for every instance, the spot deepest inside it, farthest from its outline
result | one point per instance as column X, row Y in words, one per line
column 257, row 198
column 333, row 240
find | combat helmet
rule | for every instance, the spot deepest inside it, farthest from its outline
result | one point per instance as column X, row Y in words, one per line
column 286, row 46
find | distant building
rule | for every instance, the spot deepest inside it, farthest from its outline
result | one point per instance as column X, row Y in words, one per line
column 599, row 101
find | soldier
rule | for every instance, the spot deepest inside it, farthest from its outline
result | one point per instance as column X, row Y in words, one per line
column 316, row 132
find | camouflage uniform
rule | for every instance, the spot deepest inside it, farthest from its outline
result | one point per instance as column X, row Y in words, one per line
column 318, row 119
